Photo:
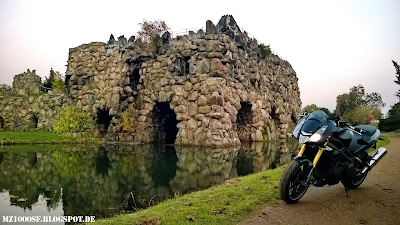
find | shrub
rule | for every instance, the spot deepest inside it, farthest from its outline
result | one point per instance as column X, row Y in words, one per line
column 389, row 124
column 392, row 123
column 72, row 119
column 150, row 47
column 265, row 50
column 127, row 121
column 58, row 85
column 5, row 90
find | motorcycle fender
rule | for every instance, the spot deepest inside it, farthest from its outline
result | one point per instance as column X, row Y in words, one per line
column 303, row 160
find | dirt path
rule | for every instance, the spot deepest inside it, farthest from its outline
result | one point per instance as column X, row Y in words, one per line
column 376, row 201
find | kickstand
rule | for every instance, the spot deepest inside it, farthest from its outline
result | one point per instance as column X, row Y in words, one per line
column 347, row 190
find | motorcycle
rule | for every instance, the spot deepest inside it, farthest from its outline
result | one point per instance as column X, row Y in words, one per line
column 332, row 151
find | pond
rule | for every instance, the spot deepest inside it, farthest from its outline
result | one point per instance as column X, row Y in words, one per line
column 112, row 179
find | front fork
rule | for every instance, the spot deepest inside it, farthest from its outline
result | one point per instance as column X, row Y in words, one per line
column 317, row 156
column 315, row 161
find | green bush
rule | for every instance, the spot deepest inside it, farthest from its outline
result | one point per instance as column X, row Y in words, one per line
column 265, row 50
column 72, row 119
column 389, row 124
column 150, row 47
column 392, row 123
column 58, row 85
column 127, row 121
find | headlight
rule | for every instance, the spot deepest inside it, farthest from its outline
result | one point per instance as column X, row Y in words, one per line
column 314, row 138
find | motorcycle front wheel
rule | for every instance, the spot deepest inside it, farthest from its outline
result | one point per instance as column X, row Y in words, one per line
column 293, row 184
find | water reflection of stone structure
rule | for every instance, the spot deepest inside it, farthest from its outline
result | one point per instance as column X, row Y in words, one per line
column 98, row 180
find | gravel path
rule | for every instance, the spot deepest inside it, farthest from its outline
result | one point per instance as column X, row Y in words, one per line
column 376, row 201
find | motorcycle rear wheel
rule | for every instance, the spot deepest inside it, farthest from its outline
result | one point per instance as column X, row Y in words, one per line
column 293, row 184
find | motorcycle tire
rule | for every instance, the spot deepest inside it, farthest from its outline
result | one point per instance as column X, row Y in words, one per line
column 293, row 184
column 354, row 182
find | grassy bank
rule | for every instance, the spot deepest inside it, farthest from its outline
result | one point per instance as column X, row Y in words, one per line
column 40, row 137
column 222, row 204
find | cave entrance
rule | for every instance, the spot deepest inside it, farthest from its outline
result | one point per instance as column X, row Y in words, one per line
column 33, row 122
column 1, row 122
column 103, row 120
column 243, row 122
column 164, row 127
column 134, row 79
column 68, row 84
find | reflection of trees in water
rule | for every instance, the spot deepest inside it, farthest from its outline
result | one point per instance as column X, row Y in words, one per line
column 25, row 175
column 98, row 180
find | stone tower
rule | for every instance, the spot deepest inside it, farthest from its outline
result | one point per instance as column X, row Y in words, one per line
column 27, row 83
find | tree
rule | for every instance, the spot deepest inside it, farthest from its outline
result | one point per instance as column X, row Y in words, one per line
column 362, row 115
column 397, row 81
column 392, row 123
column 149, row 38
column 310, row 108
column 151, row 29
column 355, row 105
column 313, row 107
column 54, row 77
column 328, row 112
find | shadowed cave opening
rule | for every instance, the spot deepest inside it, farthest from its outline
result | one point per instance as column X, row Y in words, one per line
column 243, row 122
column 103, row 120
column 1, row 122
column 134, row 79
column 33, row 122
column 164, row 127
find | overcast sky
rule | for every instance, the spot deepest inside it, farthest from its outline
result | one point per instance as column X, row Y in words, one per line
column 332, row 45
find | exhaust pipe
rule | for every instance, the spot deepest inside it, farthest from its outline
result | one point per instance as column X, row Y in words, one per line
column 375, row 159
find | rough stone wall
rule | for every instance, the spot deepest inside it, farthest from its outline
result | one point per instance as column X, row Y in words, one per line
column 26, row 107
column 220, row 88
column 94, row 75
column 30, row 112
column 27, row 83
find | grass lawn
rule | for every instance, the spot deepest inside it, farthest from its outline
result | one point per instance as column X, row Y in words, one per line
column 384, row 142
column 39, row 137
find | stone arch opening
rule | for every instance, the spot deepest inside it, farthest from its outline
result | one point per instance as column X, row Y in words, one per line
column 1, row 123
column 134, row 79
column 33, row 122
column 103, row 120
column 164, row 126
column 243, row 122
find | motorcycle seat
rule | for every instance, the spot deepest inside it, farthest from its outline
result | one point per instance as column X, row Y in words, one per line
column 369, row 130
